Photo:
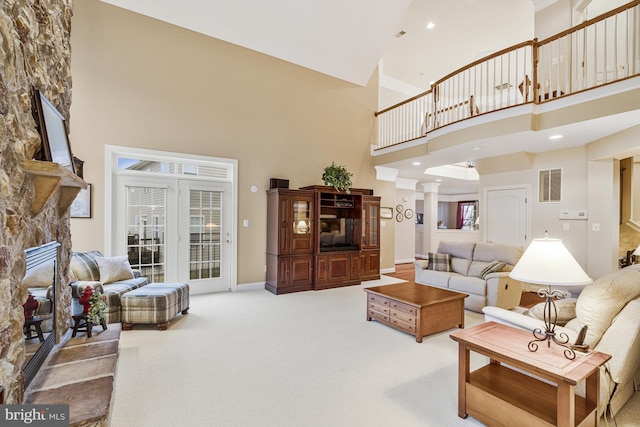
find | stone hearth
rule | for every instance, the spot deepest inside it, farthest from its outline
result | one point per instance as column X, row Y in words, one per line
column 81, row 373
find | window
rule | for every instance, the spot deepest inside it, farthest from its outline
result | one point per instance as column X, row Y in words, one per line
column 550, row 186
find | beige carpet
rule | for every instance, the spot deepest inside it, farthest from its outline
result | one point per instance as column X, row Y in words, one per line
column 306, row 359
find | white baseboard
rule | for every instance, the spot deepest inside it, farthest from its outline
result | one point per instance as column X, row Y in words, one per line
column 250, row 286
column 404, row 261
column 387, row 270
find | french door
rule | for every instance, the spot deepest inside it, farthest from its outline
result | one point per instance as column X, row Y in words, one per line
column 204, row 235
column 175, row 229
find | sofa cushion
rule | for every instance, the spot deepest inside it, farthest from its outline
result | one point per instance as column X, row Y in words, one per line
column 493, row 267
column 457, row 249
column 114, row 268
column 509, row 254
column 84, row 266
column 439, row 262
column 566, row 309
column 434, row 278
column 602, row 300
column 468, row 285
column 460, row 265
column 39, row 277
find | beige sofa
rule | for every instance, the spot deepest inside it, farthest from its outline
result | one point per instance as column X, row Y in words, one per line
column 477, row 269
column 610, row 308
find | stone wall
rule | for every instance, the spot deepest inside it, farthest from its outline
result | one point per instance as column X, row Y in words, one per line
column 35, row 52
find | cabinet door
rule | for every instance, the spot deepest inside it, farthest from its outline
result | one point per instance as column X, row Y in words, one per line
column 301, row 224
column 322, row 270
column 371, row 223
column 339, row 267
column 369, row 265
column 284, row 225
column 301, row 270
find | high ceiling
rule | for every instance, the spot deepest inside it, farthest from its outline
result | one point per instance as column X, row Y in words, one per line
column 349, row 39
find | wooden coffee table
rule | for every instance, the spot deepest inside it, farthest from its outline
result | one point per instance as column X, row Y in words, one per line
column 416, row 309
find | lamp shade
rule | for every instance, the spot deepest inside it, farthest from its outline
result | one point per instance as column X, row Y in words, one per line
column 637, row 251
column 548, row 262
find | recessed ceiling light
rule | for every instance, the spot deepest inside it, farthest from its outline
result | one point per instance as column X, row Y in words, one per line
column 430, row 25
column 554, row 137
column 416, row 163
column 400, row 34
column 438, row 180
column 477, row 148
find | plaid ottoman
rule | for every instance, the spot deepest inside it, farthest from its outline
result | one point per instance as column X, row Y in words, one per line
column 154, row 303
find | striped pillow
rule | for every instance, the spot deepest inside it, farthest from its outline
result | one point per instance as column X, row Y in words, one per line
column 439, row 262
column 84, row 265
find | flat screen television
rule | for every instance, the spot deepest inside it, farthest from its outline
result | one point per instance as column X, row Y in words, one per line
column 53, row 132
column 337, row 234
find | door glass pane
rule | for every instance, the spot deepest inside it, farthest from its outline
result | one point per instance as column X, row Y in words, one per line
column 146, row 213
column 205, row 219
column 373, row 225
column 301, row 217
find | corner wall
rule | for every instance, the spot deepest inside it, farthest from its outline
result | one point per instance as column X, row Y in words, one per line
column 139, row 82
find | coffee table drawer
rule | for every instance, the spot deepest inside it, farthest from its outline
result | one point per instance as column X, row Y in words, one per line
column 378, row 316
column 376, row 299
column 379, row 307
column 405, row 308
column 402, row 325
column 406, row 317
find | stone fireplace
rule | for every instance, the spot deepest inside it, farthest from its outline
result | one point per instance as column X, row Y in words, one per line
column 34, row 196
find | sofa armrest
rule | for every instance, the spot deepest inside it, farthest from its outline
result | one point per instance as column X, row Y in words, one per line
column 422, row 264
column 78, row 287
column 622, row 341
column 522, row 321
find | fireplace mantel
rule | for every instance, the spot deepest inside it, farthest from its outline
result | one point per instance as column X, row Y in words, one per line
column 48, row 178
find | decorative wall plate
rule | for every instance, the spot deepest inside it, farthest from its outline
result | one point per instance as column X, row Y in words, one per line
column 399, row 217
column 399, row 208
column 408, row 213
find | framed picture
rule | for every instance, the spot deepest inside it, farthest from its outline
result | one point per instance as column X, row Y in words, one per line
column 386, row 213
column 81, row 206
column 53, row 132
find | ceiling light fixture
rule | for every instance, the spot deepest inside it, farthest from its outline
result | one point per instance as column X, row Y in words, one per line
column 430, row 25
column 416, row 163
column 554, row 137
column 477, row 148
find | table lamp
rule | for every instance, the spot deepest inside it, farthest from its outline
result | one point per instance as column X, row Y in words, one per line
column 548, row 262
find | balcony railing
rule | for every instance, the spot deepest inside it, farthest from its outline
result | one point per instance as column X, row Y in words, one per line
column 599, row 51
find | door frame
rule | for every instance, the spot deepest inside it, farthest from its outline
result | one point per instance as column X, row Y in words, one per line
column 113, row 152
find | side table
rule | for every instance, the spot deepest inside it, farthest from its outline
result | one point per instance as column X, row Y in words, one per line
column 81, row 324
column 498, row 394
column 31, row 326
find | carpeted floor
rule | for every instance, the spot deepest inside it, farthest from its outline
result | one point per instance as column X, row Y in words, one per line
column 308, row 359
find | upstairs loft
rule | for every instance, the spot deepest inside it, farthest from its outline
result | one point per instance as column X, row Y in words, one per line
column 515, row 97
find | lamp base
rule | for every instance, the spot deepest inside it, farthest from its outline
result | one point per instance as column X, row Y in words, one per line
column 550, row 319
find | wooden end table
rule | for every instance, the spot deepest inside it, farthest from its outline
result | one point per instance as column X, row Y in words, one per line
column 416, row 309
column 497, row 394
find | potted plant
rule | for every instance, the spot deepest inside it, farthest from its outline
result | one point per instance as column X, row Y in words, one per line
column 97, row 308
column 337, row 177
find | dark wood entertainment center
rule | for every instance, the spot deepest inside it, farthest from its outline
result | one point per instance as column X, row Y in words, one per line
column 321, row 238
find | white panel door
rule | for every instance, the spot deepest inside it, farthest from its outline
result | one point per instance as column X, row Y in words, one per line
column 507, row 216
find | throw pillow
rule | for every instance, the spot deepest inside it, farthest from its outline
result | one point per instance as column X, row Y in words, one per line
column 83, row 265
column 39, row 277
column 493, row 267
column 566, row 309
column 439, row 262
column 114, row 268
